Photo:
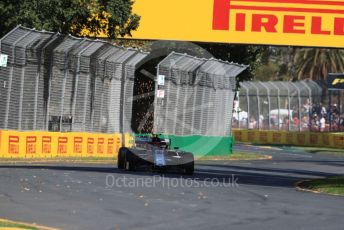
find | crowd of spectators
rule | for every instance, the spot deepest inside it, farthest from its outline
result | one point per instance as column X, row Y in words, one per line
column 312, row 117
column 326, row 118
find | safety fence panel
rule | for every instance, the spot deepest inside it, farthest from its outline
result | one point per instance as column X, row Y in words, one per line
column 194, row 96
column 219, row 80
column 114, row 71
column 63, row 83
column 130, row 65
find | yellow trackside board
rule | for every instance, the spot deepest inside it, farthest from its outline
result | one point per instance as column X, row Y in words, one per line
column 37, row 144
column 333, row 140
column 277, row 22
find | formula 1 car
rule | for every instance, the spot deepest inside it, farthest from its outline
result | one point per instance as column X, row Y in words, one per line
column 154, row 153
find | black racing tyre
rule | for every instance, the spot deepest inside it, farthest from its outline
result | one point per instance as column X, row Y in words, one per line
column 130, row 161
column 189, row 163
column 121, row 157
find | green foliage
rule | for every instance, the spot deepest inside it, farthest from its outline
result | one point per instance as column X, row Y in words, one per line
column 295, row 63
column 12, row 225
column 69, row 16
column 276, row 64
column 131, row 43
column 267, row 72
column 333, row 185
column 236, row 156
column 269, row 63
column 122, row 21
column 243, row 54
column 317, row 63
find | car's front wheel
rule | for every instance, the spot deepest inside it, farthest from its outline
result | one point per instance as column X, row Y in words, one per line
column 189, row 163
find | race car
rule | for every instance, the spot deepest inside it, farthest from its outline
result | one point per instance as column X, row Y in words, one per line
column 154, row 153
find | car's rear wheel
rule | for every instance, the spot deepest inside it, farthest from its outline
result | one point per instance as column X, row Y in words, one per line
column 130, row 161
column 121, row 157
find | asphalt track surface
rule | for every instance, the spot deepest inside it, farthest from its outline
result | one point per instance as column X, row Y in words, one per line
column 221, row 195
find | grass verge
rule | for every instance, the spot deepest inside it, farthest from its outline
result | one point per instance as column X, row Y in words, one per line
column 7, row 224
column 332, row 186
column 237, row 156
column 109, row 160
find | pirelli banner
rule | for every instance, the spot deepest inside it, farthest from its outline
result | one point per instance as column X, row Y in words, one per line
column 333, row 140
column 276, row 22
column 15, row 144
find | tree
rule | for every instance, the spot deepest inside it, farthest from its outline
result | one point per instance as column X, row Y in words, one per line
column 294, row 63
column 242, row 54
column 70, row 16
column 316, row 63
column 121, row 21
column 276, row 64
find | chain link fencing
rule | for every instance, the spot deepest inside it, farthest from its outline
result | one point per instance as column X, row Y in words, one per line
column 195, row 96
column 289, row 106
column 62, row 83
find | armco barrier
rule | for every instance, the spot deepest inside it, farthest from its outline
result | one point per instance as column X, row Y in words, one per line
column 15, row 144
column 333, row 140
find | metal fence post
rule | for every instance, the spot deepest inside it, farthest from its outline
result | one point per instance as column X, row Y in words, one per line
column 310, row 100
column 77, row 76
column 173, row 63
column 299, row 105
column 258, row 101
column 50, row 74
column 66, row 69
column 11, row 79
column 288, row 98
column 20, row 110
column 278, row 105
column 248, row 105
column 123, row 90
column 156, row 123
column 269, row 102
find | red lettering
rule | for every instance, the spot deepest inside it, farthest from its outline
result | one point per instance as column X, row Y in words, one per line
column 268, row 22
column 240, row 22
column 221, row 15
column 46, row 145
column 338, row 26
column 291, row 23
column 317, row 26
